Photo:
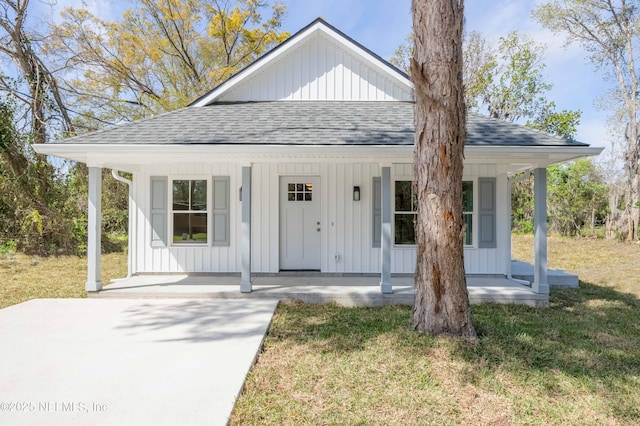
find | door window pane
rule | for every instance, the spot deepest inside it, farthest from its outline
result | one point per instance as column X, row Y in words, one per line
column 300, row 192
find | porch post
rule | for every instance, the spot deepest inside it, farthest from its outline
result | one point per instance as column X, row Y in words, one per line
column 245, row 235
column 94, row 242
column 385, row 241
column 540, row 284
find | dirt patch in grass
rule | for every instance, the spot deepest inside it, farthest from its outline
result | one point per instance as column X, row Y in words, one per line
column 26, row 277
column 575, row 363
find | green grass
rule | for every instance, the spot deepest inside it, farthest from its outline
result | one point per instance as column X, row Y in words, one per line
column 577, row 362
column 26, row 277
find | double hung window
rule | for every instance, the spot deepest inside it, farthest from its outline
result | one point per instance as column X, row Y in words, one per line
column 406, row 210
column 189, row 209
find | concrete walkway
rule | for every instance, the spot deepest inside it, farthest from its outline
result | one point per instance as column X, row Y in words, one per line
column 127, row 362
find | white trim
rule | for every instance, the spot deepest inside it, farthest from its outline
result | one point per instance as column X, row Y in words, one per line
column 129, row 157
column 474, row 212
column 394, row 180
column 171, row 211
column 298, row 39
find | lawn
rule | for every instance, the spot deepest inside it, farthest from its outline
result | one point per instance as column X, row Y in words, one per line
column 577, row 362
column 26, row 277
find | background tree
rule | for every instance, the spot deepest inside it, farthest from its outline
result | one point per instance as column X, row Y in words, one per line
column 87, row 73
column 161, row 55
column 577, row 196
column 441, row 302
column 507, row 83
column 33, row 204
column 609, row 30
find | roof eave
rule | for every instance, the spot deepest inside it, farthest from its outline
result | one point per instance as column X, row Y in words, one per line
column 131, row 156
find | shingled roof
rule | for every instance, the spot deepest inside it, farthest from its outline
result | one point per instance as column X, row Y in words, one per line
column 304, row 123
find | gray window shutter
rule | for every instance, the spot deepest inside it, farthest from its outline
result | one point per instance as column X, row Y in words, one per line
column 487, row 213
column 377, row 212
column 159, row 207
column 221, row 211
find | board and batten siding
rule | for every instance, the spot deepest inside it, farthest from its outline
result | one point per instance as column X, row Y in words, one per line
column 319, row 69
column 345, row 224
column 347, row 243
column 173, row 259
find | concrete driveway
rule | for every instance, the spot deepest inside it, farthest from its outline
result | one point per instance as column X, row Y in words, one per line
column 127, row 362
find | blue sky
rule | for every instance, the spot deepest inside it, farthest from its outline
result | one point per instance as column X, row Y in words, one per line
column 382, row 25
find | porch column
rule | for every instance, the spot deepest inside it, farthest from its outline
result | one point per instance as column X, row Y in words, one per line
column 245, row 235
column 94, row 242
column 540, row 284
column 385, row 241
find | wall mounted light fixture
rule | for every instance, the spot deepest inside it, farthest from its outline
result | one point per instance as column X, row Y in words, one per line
column 356, row 193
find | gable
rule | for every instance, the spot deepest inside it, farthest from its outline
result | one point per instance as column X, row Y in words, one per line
column 317, row 63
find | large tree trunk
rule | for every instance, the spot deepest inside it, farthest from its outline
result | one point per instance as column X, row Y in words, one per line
column 442, row 302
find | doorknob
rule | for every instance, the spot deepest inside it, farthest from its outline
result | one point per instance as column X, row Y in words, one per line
column 317, row 223
column 318, row 229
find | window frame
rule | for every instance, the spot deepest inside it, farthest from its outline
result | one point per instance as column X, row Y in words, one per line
column 400, row 212
column 207, row 211
column 474, row 212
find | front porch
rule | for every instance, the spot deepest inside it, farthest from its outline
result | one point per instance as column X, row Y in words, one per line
column 347, row 290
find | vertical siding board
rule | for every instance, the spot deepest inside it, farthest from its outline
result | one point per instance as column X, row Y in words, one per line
column 331, row 64
column 318, row 69
column 331, row 217
column 356, row 220
column 257, row 214
column 346, row 94
column 307, row 72
column 313, row 71
column 339, row 71
column 322, row 70
column 349, row 225
column 288, row 80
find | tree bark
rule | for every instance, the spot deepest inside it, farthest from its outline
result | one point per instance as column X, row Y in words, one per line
column 441, row 303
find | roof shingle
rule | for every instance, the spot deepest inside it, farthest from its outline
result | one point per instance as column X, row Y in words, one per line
column 305, row 123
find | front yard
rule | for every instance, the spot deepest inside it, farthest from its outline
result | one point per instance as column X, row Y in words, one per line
column 577, row 362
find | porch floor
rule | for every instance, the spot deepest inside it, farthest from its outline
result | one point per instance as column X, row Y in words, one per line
column 344, row 290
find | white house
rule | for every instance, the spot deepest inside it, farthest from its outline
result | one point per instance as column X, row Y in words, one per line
column 303, row 161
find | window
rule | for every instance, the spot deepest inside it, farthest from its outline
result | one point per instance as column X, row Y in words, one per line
column 189, row 208
column 467, row 211
column 300, row 192
column 405, row 212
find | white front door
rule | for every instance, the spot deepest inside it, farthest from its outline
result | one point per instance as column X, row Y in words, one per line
column 300, row 228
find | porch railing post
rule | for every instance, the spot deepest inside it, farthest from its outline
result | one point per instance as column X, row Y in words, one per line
column 540, row 284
